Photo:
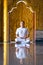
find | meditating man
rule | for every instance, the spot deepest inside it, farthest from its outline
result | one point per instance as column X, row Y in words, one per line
column 22, row 41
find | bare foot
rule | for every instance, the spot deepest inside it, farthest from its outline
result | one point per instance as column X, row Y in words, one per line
column 21, row 61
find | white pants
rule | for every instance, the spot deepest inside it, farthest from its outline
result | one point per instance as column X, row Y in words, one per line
column 24, row 42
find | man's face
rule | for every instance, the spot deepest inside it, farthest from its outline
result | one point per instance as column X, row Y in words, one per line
column 21, row 24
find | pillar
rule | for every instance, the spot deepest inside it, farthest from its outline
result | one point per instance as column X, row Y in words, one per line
column 34, row 36
column 5, row 34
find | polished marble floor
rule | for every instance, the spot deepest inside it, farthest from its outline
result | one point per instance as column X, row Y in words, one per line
column 14, row 61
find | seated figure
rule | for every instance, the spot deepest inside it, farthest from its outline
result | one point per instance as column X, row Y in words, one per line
column 22, row 41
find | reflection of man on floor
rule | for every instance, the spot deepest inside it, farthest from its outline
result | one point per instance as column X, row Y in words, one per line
column 22, row 37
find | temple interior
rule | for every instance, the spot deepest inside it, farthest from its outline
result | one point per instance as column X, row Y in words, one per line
column 11, row 13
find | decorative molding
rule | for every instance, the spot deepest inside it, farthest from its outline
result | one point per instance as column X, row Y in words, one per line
column 12, row 9
column 22, row 2
column 30, row 8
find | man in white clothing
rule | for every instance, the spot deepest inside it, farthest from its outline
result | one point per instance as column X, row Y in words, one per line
column 22, row 36
column 22, row 32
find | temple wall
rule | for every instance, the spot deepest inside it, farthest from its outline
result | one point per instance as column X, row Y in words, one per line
column 37, row 6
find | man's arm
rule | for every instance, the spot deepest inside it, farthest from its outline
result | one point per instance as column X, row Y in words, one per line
column 17, row 32
column 17, row 35
column 27, row 34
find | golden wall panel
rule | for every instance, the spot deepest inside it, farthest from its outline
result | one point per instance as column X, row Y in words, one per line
column 37, row 6
column 21, row 12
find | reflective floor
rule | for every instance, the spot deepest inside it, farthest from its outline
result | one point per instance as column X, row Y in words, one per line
column 28, row 61
column 14, row 61
column 1, row 54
